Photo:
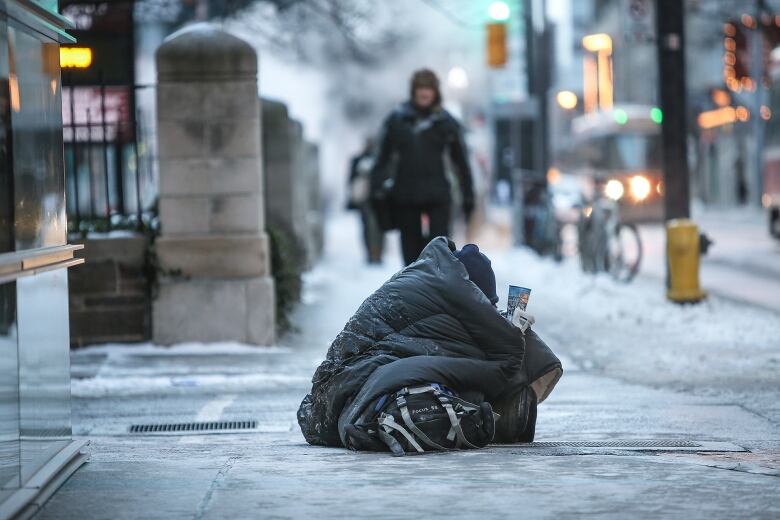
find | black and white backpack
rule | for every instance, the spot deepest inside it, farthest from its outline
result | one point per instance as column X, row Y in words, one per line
column 432, row 418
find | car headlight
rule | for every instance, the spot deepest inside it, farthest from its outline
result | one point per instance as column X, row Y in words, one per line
column 640, row 187
column 614, row 189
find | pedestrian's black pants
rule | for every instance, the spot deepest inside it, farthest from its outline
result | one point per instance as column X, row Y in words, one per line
column 408, row 219
column 373, row 236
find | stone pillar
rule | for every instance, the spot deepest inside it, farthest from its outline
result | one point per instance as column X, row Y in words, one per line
column 213, row 250
column 300, row 192
column 315, row 216
column 285, row 181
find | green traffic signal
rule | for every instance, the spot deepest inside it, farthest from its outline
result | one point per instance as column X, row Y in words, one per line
column 620, row 116
column 657, row 115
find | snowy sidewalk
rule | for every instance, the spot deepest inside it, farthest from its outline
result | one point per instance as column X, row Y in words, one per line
column 742, row 264
column 636, row 367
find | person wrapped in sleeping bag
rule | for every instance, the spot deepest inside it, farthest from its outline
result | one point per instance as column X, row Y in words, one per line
column 435, row 321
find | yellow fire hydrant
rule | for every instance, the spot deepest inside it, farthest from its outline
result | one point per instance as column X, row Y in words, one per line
column 682, row 253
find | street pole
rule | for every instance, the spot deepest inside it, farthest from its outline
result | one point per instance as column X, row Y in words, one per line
column 530, row 55
column 683, row 242
column 539, row 63
column 756, row 184
column 670, row 40
column 526, row 166
column 545, row 62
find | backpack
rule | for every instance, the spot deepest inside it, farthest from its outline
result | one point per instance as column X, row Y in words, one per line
column 432, row 418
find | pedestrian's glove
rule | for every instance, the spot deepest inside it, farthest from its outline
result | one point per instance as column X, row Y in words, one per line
column 383, row 190
column 522, row 319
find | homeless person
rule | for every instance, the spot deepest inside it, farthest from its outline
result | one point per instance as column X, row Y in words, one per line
column 428, row 363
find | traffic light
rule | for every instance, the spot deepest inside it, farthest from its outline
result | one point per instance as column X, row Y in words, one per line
column 496, row 45
column 496, row 34
column 499, row 11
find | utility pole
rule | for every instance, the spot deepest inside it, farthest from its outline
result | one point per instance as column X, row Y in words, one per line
column 670, row 41
column 756, row 183
column 683, row 241
column 545, row 61
column 538, row 65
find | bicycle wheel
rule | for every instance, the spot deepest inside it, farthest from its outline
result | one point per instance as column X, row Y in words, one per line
column 624, row 252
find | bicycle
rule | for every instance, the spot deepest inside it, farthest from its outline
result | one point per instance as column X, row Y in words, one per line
column 605, row 243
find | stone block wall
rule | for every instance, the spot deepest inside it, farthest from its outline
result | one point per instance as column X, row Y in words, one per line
column 110, row 293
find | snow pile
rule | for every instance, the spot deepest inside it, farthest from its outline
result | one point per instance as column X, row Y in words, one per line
column 633, row 331
column 627, row 331
column 129, row 385
column 181, row 349
column 128, row 370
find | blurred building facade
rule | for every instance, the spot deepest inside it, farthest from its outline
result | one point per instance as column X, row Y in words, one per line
column 726, row 153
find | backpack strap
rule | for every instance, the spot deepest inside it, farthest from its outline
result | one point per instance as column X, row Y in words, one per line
column 387, row 422
column 401, row 402
column 447, row 404
column 393, row 444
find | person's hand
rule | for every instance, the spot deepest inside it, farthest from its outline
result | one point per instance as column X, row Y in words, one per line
column 522, row 319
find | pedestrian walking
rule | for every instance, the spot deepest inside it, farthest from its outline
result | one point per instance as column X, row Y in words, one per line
column 409, row 180
column 359, row 200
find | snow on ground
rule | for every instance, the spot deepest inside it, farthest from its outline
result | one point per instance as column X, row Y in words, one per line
column 336, row 287
column 128, row 385
column 626, row 331
column 743, row 263
column 722, row 346
column 632, row 332
column 136, row 369
column 180, row 349
column 604, row 332
column 598, row 303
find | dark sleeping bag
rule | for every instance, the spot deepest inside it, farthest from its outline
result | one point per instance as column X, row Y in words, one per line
column 428, row 324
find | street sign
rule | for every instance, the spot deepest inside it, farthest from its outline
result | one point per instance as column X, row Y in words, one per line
column 637, row 19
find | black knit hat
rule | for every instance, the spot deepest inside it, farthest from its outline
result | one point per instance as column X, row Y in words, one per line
column 480, row 272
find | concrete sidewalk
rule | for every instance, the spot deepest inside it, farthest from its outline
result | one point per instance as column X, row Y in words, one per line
column 270, row 472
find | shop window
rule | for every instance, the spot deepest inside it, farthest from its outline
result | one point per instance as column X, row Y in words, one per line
column 36, row 124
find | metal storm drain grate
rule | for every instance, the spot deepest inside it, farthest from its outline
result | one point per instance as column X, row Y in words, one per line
column 632, row 444
column 194, row 427
column 617, row 444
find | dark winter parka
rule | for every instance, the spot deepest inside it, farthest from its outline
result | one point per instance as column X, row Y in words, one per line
column 412, row 147
column 428, row 324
